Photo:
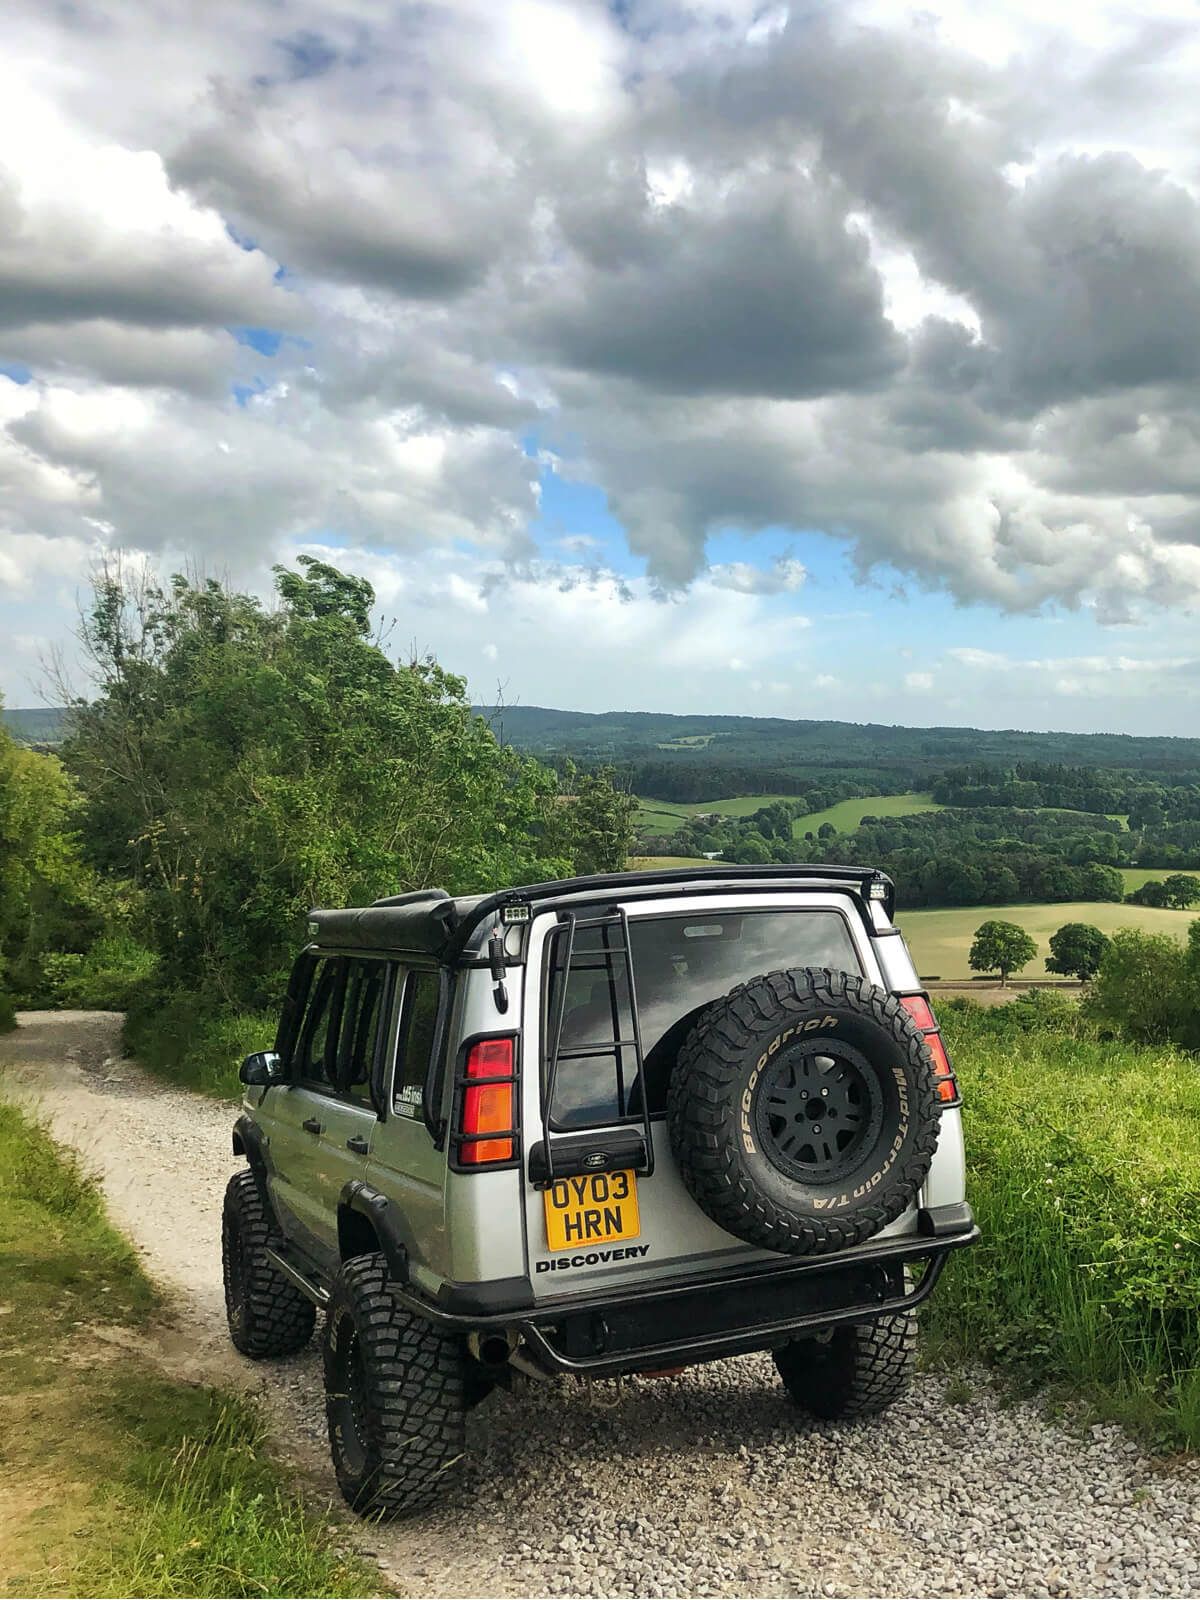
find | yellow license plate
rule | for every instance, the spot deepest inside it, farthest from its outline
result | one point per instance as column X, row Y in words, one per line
column 595, row 1209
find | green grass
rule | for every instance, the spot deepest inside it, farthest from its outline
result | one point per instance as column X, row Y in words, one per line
column 113, row 1479
column 1083, row 1169
column 847, row 814
column 649, row 863
column 174, row 1036
column 664, row 816
column 1135, row 877
column 940, row 940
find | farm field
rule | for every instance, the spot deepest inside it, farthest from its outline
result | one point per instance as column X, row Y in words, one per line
column 650, row 863
column 940, row 940
column 1135, row 877
column 847, row 814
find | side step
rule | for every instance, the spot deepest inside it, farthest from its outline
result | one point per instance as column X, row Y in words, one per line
column 303, row 1282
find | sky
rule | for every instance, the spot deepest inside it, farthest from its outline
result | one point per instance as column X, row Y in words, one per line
column 811, row 360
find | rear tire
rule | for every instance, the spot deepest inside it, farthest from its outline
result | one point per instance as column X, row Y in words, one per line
column 860, row 1370
column 395, row 1394
column 267, row 1314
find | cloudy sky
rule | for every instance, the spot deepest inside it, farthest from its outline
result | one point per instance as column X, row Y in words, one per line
column 810, row 360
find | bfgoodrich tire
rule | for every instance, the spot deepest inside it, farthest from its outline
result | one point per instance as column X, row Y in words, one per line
column 394, row 1395
column 802, row 1111
column 860, row 1369
column 267, row 1314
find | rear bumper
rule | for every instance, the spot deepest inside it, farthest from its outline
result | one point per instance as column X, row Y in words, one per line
column 701, row 1318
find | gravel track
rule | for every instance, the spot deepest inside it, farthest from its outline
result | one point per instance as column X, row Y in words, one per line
column 708, row 1483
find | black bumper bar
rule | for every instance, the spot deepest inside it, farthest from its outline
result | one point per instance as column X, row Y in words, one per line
column 695, row 1318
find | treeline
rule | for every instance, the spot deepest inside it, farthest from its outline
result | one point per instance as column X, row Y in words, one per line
column 239, row 764
column 911, row 758
column 937, row 858
column 1148, row 801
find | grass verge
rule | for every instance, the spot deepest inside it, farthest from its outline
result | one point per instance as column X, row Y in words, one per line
column 113, row 1479
column 177, row 1037
column 1084, row 1172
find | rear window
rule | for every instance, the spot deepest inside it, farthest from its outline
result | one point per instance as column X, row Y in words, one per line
column 680, row 965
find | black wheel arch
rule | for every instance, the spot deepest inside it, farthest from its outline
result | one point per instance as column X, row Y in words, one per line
column 368, row 1223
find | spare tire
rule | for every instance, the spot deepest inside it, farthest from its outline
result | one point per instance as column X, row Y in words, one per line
column 802, row 1111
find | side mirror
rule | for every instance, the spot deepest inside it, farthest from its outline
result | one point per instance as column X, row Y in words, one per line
column 262, row 1069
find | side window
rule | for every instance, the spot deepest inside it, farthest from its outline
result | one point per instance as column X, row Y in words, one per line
column 418, row 1025
column 319, row 1030
column 361, row 1015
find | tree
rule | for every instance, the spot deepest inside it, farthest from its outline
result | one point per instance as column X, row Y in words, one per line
column 1077, row 949
column 241, row 764
column 1001, row 947
column 1144, row 987
column 826, row 831
column 1151, row 893
column 1182, row 890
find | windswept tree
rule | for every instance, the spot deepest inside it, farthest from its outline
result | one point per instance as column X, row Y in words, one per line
column 243, row 764
column 1001, row 947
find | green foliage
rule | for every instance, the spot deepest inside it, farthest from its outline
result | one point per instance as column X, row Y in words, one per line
column 242, row 765
column 144, row 1486
column 109, row 976
column 1001, row 947
column 210, row 1515
column 1182, row 890
column 48, row 899
column 1147, row 986
column 59, row 1257
column 8, row 1013
column 194, row 1040
column 1076, row 950
column 1084, row 1168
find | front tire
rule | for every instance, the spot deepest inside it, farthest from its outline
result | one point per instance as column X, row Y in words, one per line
column 861, row 1369
column 267, row 1314
column 395, row 1394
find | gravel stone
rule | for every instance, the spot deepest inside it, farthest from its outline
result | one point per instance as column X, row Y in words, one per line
column 709, row 1483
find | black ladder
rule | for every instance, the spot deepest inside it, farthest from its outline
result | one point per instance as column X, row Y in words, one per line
column 569, row 925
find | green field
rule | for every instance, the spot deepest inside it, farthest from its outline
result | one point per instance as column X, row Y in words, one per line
column 652, row 863
column 666, row 815
column 847, row 814
column 940, row 940
column 1135, row 877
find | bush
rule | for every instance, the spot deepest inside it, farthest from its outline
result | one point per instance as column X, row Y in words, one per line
column 199, row 1046
column 1145, row 988
column 1083, row 1172
column 8, row 1013
column 108, row 977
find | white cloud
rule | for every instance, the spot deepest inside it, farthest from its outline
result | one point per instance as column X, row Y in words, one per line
column 918, row 681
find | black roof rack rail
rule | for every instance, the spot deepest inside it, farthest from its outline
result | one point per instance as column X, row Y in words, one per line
column 623, row 883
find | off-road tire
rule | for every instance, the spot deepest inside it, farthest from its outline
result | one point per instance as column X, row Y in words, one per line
column 267, row 1314
column 725, row 1070
column 860, row 1370
column 395, row 1395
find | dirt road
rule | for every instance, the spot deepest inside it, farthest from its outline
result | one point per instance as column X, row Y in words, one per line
column 703, row 1484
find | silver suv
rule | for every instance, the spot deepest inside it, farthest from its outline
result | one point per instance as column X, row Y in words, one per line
column 605, row 1125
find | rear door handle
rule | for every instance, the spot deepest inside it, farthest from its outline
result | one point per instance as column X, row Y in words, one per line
column 359, row 1146
column 311, row 1125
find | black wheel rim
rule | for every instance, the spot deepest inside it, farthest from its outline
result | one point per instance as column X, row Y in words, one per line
column 818, row 1111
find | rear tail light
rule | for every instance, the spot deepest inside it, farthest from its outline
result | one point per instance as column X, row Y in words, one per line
column 921, row 1012
column 487, row 1127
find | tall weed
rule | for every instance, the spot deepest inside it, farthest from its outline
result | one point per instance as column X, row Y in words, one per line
column 1084, row 1172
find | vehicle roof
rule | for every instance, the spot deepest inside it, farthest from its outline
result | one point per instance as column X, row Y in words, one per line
column 432, row 922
